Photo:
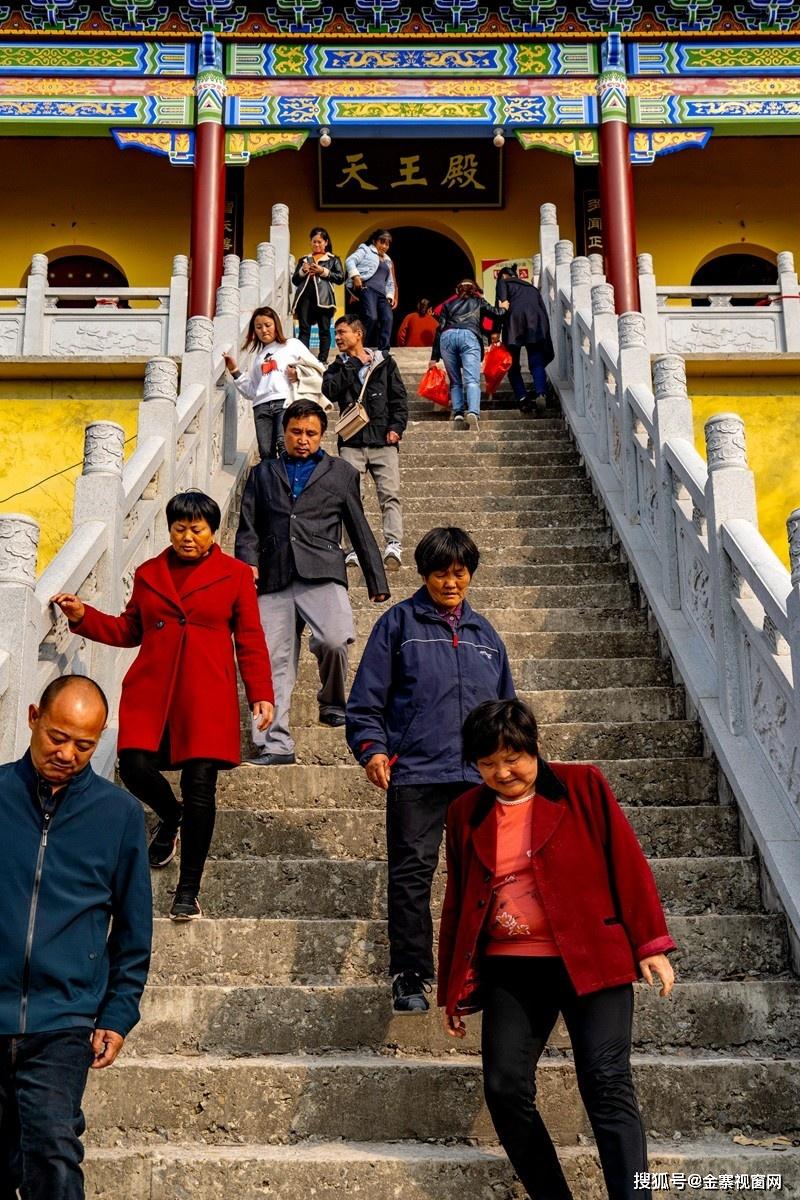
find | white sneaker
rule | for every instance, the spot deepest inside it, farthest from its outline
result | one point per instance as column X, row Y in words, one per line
column 458, row 421
column 393, row 556
column 473, row 422
column 351, row 559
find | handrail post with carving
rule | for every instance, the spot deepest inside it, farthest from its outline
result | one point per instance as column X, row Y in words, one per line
column 648, row 299
column 33, row 330
column 158, row 418
column 634, row 371
column 19, row 628
column 279, row 237
column 730, row 494
column 564, row 256
column 178, row 306
column 672, row 420
column 99, row 496
column 581, row 283
column 793, row 611
column 196, row 369
column 604, row 329
column 265, row 256
column 548, row 236
column 790, row 301
column 249, row 285
column 226, row 335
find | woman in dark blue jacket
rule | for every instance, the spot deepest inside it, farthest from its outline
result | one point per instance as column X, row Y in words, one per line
column 428, row 662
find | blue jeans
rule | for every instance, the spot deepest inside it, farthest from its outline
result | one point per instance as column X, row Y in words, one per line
column 461, row 354
column 535, row 366
column 376, row 313
column 42, row 1079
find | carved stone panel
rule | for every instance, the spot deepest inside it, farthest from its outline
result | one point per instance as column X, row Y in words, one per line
column 744, row 336
column 110, row 338
column 19, row 542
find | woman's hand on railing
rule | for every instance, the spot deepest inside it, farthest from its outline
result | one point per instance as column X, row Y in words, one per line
column 263, row 712
column 231, row 363
column 454, row 1026
column 663, row 968
column 72, row 607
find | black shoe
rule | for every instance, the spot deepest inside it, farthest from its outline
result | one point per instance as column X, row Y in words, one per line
column 185, row 906
column 526, row 405
column 334, row 719
column 540, row 400
column 163, row 844
column 408, row 993
column 267, row 759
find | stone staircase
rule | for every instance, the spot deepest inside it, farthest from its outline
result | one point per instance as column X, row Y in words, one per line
column 268, row 1062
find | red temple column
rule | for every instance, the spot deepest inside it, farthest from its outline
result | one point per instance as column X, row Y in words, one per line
column 616, row 180
column 208, row 196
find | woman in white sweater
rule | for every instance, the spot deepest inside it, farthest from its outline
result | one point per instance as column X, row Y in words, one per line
column 281, row 370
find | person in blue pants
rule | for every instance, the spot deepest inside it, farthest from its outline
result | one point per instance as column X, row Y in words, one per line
column 527, row 327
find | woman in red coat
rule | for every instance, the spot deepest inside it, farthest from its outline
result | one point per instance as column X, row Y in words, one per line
column 179, row 705
column 550, row 907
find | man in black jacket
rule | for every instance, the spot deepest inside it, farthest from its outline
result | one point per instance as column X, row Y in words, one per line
column 290, row 528
column 74, row 857
column 373, row 378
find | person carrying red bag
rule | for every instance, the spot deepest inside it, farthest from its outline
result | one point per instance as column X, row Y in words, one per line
column 527, row 327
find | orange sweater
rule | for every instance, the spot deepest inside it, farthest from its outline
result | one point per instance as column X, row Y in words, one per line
column 517, row 923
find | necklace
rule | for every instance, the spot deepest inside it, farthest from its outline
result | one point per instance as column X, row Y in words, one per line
column 513, row 803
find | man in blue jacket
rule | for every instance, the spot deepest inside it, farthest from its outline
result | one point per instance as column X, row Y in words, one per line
column 429, row 661
column 74, row 861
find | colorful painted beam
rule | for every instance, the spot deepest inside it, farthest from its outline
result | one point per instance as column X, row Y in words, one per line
column 755, row 105
column 60, row 105
column 123, row 59
column 715, row 58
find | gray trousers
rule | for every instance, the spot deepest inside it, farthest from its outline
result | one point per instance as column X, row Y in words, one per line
column 383, row 464
column 325, row 608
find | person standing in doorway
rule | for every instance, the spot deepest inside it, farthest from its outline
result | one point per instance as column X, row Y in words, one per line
column 419, row 327
column 76, row 920
column 314, row 301
column 373, row 378
column 527, row 327
column 370, row 274
column 459, row 341
column 290, row 522
column 429, row 660
column 271, row 375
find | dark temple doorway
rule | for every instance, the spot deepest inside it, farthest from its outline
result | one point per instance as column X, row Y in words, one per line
column 738, row 270
column 428, row 264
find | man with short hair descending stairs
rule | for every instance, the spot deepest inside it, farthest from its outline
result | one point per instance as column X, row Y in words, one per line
column 268, row 1061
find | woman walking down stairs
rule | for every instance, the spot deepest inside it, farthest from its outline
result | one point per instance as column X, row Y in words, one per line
column 268, row 1062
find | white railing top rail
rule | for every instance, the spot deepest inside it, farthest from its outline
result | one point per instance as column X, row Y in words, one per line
column 198, row 436
column 728, row 609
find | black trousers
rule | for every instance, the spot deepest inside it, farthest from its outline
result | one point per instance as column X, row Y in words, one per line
column 522, row 999
column 42, row 1080
column 140, row 771
column 268, row 420
column 415, row 818
column 311, row 314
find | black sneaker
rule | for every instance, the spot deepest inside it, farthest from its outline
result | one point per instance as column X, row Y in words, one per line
column 265, row 758
column 408, row 993
column 335, row 719
column 163, row 844
column 185, row 906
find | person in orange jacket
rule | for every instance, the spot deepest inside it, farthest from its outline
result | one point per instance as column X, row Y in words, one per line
column 418, row 328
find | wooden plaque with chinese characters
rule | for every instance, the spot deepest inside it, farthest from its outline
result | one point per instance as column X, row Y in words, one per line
column 425, row 173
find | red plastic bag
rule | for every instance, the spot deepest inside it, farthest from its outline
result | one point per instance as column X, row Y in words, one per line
column 496, row 362
column 435, row 385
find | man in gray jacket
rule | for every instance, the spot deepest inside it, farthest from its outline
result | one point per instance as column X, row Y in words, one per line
column 290, row 527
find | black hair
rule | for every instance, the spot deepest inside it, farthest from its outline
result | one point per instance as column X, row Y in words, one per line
column 497, row 724
column 508, row 272
column 352, row 321
column 445, row 545
column 304, row 408
column 379, row 233
column 57, row 686
column 194, row 506
column 319, row 229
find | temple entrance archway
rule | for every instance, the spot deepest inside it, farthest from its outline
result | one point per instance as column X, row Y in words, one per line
column 428, row 263
column 82, row 267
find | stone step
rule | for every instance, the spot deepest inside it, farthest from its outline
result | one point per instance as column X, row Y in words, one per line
column 759, row 1016
column 341, row 888
column 573, row 499
column 670, row 781
column 696, row 831
column 413, row 476
column 391, row 1171
column 535, row 620
column 489, row 458
column 576, row 740
column 481, row 598
column 280, row 1099
column 244, row 952
column 406, row 580
column 623, row 704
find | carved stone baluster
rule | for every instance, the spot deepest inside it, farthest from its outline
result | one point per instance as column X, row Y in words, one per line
column 178, row 306
column 673, row 421
column 279, row 237
column 648, row 300
column 581, row 283
column 793, row 611
column 19, row 627
column 158, row 418
column 634, row 371
column 548, row 236
column 35, row 329
column 604, row 328
column 249, row 287
column 730, row 494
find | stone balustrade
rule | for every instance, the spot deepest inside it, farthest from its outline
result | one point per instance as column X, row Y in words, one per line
column 727, row 610
column 704, row 321
column 192, row 433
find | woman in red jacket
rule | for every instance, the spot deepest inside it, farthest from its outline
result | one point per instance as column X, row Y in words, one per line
column 179, row 705
column 550, row 907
